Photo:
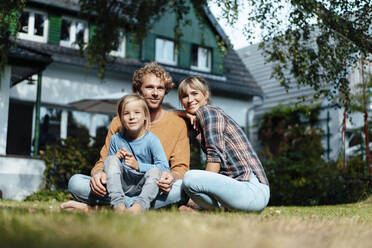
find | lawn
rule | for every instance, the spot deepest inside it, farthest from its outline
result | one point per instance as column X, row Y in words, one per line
column 42, row 224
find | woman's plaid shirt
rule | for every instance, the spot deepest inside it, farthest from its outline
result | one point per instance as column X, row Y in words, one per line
column 224, row 142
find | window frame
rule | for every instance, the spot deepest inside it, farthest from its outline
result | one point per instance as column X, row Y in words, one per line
column 31, row 27
column 199, row 67
column 122, row 53
column 71, row 43
column 161, row 59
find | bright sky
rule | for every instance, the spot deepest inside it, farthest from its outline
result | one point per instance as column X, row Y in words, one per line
column 235, row 33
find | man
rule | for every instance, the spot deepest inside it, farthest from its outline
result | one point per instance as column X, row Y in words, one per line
column 151, row 82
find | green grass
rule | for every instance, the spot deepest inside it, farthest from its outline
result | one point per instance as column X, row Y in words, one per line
column 42, row 224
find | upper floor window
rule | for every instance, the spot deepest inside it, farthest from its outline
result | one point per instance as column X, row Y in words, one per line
column 120, row 51
column 72, row 31
column 34, row 25
column 165, row 52
column 201, row 58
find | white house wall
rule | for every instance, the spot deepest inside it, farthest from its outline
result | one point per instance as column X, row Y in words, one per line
column 62, row 84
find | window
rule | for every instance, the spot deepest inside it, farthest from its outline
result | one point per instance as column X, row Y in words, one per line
column 165, row 52
column 120, row 51
column 72, row 31
column 34, row 26
column 200, row 58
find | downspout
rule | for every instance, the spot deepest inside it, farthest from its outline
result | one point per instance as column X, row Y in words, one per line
column 247, row 119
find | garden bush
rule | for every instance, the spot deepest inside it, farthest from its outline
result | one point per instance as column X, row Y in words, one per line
column 67, row 157
column 292, row 157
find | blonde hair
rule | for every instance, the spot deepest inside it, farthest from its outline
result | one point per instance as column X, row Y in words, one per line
column 133, row 98
column 197, row 83
column 151, row 68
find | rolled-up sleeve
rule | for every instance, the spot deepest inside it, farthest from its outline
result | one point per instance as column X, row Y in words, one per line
column 212, row 125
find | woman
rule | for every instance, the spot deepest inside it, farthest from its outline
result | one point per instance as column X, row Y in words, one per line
column 234, row 177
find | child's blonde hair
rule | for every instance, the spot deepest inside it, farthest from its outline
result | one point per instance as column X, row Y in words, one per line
column 132, row 98
column 196, row 82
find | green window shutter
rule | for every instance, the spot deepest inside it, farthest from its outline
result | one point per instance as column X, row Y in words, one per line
column 92, row 31
column 132, row 47
column 149, row 47
column 184, row 56
column 217, row 61
column 55, row 24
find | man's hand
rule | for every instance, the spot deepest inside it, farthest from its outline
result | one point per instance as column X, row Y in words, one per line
column 165, row 182
column 97, row 183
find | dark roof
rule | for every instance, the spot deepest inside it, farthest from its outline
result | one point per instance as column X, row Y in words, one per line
column 26, row 62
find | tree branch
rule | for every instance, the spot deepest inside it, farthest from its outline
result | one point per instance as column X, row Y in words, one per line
column 340, row 25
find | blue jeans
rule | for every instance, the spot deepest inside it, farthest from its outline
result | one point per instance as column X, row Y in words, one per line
column 211, row 190
column 79, row 187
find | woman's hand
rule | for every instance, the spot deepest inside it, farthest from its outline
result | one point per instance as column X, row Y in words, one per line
column 191, row 117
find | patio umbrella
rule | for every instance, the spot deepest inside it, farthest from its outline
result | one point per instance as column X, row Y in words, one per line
column 105, row 104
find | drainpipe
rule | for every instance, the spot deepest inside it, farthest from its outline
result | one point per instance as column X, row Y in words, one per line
column 247, row 119
column 37, row 114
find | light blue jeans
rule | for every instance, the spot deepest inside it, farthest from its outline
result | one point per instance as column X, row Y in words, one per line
column 122, row 181
column 211, row 190
column 79, row 187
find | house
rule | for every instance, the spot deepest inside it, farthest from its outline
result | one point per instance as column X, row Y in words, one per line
column 274, row 94
column 52, row 26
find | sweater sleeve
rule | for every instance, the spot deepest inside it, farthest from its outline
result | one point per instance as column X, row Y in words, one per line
column 179, row 160
column 158, row 157
column 212, row 124
column 115, row 127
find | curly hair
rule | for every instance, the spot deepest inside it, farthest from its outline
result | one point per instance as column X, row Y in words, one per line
column 155, row 69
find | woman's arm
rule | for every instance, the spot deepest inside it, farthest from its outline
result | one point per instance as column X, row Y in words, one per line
column 213, row 167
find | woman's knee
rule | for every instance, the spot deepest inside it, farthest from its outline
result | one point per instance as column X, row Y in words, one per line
column 191, row 178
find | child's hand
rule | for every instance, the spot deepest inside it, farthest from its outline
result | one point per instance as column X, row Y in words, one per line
column 121, row 153
column 131, row 161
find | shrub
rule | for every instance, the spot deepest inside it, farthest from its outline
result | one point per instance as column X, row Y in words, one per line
column 49, row 195
column 292, row 158
column 67, row 157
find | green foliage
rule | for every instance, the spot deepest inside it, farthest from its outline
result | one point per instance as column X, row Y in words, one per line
column 67, row 157
column 49, row 195
column 308, row 183
column 9, row 26
column 292, row 158
column 288, row 131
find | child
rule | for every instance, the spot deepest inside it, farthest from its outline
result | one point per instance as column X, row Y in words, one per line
column 136, row 159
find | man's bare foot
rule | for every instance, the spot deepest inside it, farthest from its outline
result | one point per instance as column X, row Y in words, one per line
column 75, row 205
column 186, row 209
column 120, row 209
column 136, row 208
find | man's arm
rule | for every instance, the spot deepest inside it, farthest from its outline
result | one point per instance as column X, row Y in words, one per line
column 179, row 160
column 115, row 127
column 98, row 179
